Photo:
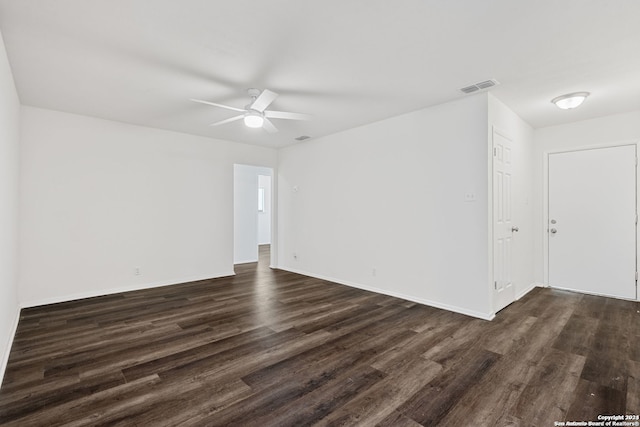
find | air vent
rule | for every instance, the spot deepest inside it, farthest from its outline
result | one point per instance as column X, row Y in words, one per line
column 479, row 86
column 302, row 138
column 486, row 84
column 470, row 89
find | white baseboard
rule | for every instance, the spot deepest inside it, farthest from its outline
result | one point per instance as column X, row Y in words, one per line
column 249, row 261
column 103, row 292
column 436, row 304
column 529, row 289
column 592, row 293
column 9, row 344
column 91, row 294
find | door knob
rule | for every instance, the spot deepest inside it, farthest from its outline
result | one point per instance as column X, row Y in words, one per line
column 553, row 231
column 516, row 229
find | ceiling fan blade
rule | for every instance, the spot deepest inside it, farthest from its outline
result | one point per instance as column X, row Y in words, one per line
column 286, row 115
column 268, row 126
column 263, row 100
column 218, row 105
column 232, row 119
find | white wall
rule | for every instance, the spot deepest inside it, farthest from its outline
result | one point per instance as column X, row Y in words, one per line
column 100, row 198
column 521, row 133
column 389, row 196
column 9, row 174
column 245, row 206
column 264, row 218
column 603, row 130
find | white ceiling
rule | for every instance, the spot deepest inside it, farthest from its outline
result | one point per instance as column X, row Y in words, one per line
column 346, row 62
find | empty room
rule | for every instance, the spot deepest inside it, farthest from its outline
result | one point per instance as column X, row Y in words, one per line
column 336, row 213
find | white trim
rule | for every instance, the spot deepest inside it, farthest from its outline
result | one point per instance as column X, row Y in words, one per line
column 137, row 287
column 245, row 261
column 490, row 255
column 456, row 309
column 5, row 357
column 545, row 217
column 578, row 291
column 595, row 146
column 529, row 289
column 273, row 254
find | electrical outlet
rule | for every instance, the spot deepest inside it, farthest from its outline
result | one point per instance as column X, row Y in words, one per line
column 469, row 197
column 295, row 256
column 136, row 271
column 374, row 272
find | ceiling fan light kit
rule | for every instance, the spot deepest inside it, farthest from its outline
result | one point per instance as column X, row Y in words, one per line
column 253, row 119
column 570, row 100
column 256, row 115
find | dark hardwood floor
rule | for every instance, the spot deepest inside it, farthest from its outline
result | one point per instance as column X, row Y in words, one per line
column 272, row 348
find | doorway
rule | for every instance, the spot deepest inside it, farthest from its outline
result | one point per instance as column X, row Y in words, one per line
column 252, row 212
column 592, row 221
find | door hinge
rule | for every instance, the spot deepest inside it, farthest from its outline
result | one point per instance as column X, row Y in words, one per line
column 636, row 276
column 495, row 284
column 494, row 152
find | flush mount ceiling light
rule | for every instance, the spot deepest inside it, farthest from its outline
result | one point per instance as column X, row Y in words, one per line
column 570, row 100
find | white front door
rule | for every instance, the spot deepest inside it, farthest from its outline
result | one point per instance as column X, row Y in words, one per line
column 503, row 227
column 592, row 221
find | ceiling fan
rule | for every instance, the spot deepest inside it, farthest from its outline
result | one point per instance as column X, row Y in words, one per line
column 255, row 114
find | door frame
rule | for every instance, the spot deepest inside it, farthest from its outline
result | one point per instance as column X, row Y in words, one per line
column 273, row 261
column 545, row 197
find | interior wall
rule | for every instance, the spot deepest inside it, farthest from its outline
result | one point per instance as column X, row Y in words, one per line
column 9, row 175
column 264, row 217
column 382, row 207
column 102, row 201
column 245, row 206
column 617, row 128
column 521, row 133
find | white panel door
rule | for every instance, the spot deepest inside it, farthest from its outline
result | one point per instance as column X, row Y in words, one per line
column 503, row 227
column 592, row 221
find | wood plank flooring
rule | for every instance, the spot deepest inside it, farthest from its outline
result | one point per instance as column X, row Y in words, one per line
column 272, row 348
